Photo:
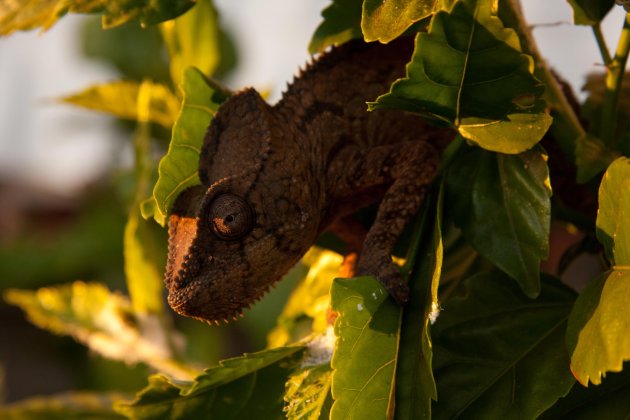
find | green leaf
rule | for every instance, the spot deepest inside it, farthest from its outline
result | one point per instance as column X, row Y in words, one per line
column 310, row 300
column 364, row 361
column 178, row 168
column 250, row 386
column 101, row 320
column 498, row 354
column 415, row 385
column 342, row 22
column 502, row 204
column 385, row 20
column 606, row 401
column 598, row 336
column 44, row 13
column 599, row 328
column 614, row 212
column 590, row 12
column 468, row 70
column 121, row 99
column 193, row 40
column 67, row 406
column 307, row 394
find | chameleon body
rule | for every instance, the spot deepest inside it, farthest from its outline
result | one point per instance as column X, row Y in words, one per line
column 274, row 177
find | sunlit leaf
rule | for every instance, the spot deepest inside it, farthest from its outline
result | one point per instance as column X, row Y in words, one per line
column 415, row 385
column 31, row 14
column 502, row 204
column 178, row 168
column 121, row 99
column 193, row 40
column 364, row 361
column 68, row 406
column 307, row 394
column 598, row 336
column 469, row 71
column 613, row 230
column 250, row 386
column 599, row 328
column 385, row 20
column 342, row 22
column 310, row 299
column 590, row 12
column 606, row 401
column 102, row 320
column 499, row 354
column 144, row 244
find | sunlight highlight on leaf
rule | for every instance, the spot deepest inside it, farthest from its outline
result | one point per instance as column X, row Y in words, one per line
column 385, row 20
column 101, row 320
column 121, row 100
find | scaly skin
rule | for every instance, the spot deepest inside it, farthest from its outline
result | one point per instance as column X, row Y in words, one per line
column 274, row 177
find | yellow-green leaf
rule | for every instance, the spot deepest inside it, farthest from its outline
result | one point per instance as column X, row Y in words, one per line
column 193, row 40
column 385, row 20
column 342, row 22
column 121, row 99
column 102, row 320
column 66, row 406
column 29, row 14
column 309, row 302
column 307, row 395
column 178, row 169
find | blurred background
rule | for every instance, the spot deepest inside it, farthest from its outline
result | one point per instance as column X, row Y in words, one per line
column 64, row 170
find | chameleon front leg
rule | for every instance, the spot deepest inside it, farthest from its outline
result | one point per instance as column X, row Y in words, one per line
column 409, row 168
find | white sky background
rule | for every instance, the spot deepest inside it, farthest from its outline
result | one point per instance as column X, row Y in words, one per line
column 62, row 147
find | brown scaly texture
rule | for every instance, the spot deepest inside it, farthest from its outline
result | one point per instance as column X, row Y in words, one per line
column 274, row 177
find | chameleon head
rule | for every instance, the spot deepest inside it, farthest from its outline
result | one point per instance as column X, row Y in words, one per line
column 233, row 237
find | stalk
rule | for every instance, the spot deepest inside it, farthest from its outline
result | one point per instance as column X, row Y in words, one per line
column 614, row 79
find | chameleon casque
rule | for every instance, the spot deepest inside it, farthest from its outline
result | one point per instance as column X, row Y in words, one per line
column 274, row 177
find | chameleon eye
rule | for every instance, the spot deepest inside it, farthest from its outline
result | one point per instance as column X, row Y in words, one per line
column 230, row 216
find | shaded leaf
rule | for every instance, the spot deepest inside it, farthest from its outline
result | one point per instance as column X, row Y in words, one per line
column 592, row 157
column 121, row 99
column 606, row 401
column 502, row 204
column 469, row 71
column 99, row 319
column 614, row 212
column 44, row 13
column 308, row 393
column 498, row 354
column 415, row 385
column 385, row 20
column 590, row 12
column 310, row 300
column 193, row 40
column 67, row 406
column 342, row 22
column 250, row 386
column 364, row 361
column 178, row 169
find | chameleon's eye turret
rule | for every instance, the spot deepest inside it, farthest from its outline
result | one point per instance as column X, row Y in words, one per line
column 230, row 217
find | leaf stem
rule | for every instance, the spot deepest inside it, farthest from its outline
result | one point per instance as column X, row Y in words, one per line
column 601, row 43
column 572, row 129
column 614, row 79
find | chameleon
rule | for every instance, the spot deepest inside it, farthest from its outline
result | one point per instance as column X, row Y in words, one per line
column 274, row 177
